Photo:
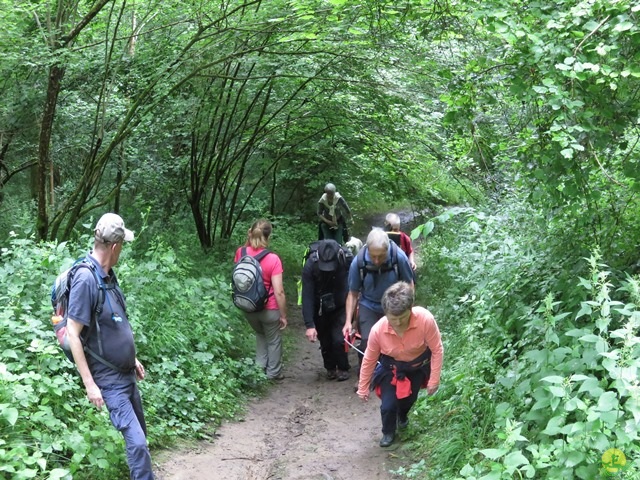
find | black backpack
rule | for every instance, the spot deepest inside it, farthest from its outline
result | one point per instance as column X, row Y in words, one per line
column 60, row 292
column 248, row 291
column 345, row 257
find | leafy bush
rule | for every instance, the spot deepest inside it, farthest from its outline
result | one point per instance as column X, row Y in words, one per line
column 194, row 345
column 541, row 352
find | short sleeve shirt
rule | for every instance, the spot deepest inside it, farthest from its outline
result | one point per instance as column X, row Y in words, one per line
column 375, row 283
column 271, row 265
column 114, row 332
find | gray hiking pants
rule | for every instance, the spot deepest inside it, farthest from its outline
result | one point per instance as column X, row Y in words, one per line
column 266, row 324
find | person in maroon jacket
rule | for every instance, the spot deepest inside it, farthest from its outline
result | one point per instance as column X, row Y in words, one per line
column 392, row 227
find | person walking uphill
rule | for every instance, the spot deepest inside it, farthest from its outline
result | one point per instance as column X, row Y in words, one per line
column 324, row 294
column 113, row 384
column 409, row 348
column 378, row 265
column 392, row 227
column 333, row 212
column 270, row 321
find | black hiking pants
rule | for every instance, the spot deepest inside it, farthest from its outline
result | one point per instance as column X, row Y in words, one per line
column 329, row 327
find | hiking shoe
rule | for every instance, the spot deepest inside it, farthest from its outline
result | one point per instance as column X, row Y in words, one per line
column 277, row 378
column 343, row 375
column 402, row 422
column 331, row 375
column 387, row 439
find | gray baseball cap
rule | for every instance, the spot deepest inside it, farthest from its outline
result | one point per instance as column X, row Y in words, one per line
column 110, row 229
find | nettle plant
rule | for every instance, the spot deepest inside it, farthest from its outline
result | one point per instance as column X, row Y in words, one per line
column 574, row 389
column 47, row 429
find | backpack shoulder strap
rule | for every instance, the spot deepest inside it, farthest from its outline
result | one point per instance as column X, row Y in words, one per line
column 394, row 258
column 361, row 263
column 87, row 263
column 97, row 309
column 262, row 254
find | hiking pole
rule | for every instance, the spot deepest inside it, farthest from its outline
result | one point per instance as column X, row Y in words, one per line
column 346, row 337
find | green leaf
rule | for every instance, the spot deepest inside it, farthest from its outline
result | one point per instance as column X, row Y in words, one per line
column 514, row 460
column 574, row 458
column 424, row 230
column 608, row 401
column 577, row 332
column 592, row 386
column 557, row 391
column 11, row 415
column 554, row 426
column 553, row 379
column 10, row 354
column 567, row 153
column 58, row 474
column 492, row 476
column 623, row 27
column 590, row 338
column 494, row 453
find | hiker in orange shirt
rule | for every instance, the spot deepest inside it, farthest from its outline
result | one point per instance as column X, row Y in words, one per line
column 404, row 354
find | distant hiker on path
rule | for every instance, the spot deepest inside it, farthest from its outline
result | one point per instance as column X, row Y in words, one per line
column 333, row 212
column 378, row 265
column 324, row 295
column 268, row 322
column 110, row 381
column 408, row 346
column 392, row 227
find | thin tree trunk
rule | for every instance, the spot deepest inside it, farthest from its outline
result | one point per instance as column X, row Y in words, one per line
column 56, row 73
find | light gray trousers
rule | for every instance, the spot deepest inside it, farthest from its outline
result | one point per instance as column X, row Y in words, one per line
column 266, row 324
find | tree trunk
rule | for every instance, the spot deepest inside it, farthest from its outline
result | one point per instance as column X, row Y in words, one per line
column 56, row 73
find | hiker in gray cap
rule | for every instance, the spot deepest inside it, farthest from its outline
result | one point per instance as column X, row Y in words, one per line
column 333, row 212
column 101, row 341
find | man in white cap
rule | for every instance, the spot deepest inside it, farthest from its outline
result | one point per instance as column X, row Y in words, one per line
column 97, row 325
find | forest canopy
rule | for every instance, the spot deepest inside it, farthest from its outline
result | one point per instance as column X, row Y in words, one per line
column 512, row 127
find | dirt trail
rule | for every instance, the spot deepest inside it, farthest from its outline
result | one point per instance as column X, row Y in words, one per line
column 307, row 427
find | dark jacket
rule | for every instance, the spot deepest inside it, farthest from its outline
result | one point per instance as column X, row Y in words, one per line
column 316, row 283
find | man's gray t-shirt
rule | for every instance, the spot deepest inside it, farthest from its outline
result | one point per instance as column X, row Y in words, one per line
column 115, row 331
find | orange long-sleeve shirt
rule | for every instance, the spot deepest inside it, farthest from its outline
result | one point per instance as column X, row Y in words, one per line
column 422, row 333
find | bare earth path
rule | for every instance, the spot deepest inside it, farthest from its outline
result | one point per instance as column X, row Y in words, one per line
column 307, row 427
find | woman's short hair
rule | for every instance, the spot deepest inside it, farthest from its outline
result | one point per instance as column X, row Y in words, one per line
column 377, row 238
column 259, row 234
column 398, row 298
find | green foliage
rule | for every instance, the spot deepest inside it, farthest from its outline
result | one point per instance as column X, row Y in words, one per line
column 541, row 352
column 546, row 100
column 48, row 429
column 193, row 343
